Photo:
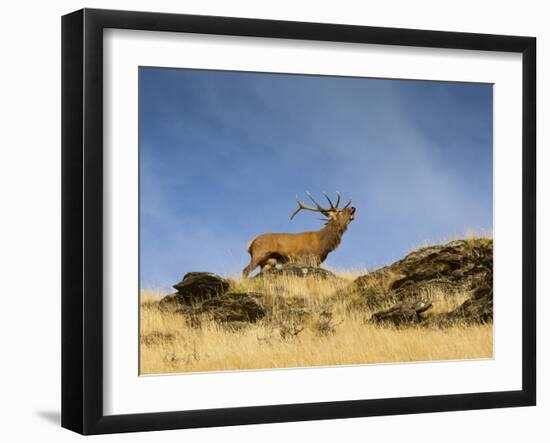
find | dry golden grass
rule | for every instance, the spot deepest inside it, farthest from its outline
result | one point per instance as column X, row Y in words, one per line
column 472, row 235
column 334, row 333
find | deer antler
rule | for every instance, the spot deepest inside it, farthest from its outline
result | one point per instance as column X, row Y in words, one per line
column 333, row 206
column 301, row 206
column 319, row 208
column 329, row 200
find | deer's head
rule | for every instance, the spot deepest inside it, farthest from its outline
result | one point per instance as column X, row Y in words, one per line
column 340, row 216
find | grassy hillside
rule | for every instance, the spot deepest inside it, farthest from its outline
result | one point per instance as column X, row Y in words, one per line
column 320, row 321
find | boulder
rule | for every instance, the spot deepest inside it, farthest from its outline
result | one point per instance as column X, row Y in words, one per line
column 477, row 309
column 372, row 288
column 235, row 307
column 196, row 287
column 454, row 268
column 461, row 262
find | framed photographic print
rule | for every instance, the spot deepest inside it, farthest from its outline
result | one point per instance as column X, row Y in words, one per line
column 269, row 221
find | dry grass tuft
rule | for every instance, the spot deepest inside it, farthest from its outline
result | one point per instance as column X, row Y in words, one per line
column 471, row 235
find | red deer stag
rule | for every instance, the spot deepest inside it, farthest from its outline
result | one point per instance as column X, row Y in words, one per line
column 307, row 247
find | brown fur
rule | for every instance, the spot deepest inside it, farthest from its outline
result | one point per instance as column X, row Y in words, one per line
column 310, row 247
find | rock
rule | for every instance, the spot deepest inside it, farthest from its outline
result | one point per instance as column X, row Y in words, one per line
column 170, row 302
column 477, row 309
column 454, row 268
column 235, row 307
column 460, row 262
column 373, row 288
column 424, row 289
column 403, row 314
column 297, row 270
column 197, row 287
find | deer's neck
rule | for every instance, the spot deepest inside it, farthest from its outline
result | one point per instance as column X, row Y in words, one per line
column 331, row 235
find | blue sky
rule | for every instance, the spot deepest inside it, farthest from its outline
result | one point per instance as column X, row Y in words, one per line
column 223, row 155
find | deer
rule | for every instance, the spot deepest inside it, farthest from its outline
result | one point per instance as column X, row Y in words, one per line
column 312, row 247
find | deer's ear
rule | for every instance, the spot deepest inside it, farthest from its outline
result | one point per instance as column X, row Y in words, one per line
column 332, row 214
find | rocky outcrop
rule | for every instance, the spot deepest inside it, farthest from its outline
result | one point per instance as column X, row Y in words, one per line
column 455, row 267
column 203, row 293
column 235, row 307
column 465, row 264
column 458, row 268
column 477, row 309
column 196, row 287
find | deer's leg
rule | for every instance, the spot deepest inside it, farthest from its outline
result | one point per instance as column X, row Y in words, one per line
column 254, row 262
column 248, row 269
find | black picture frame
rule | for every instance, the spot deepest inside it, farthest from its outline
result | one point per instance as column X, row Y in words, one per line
column 82, row 218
